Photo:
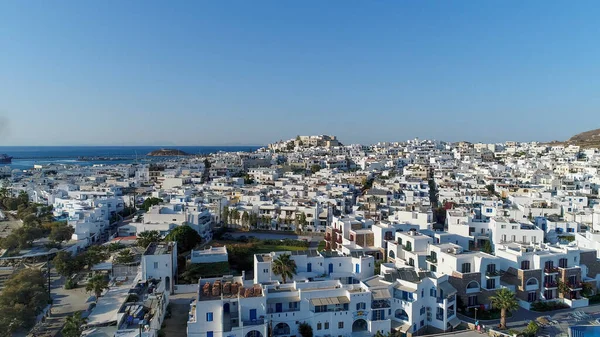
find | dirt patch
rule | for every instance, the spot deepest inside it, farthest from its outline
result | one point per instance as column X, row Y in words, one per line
column 176, row 326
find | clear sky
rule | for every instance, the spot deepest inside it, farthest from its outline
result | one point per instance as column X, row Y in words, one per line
column 251, row 72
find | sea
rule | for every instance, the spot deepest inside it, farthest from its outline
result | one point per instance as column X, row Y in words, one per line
column 25, row 157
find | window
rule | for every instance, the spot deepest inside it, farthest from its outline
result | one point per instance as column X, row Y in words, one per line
column 491, row 268
column 411, row 262
column 525, row 265
column 466, row 268
column 422, row 310
column 265, row 271
column 318, row 326
column 532, row 296
column 209, row 334
column 433, row 292
column 562, row 263
column 378, row 315
column 548, row 294
column 491, row 284
column 422, row 293
column 340, row 325
column 513, row 238
column 361, row 306
column 422, row 324
column 503, row 237
column 472, row 301
column 326, row 325
column 155, row 265
column 439, row 314
column 503, row 226
column 209, row 316
column 524, row 238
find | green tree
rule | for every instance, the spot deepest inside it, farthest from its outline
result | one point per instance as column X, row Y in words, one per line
column 185, row 236
column 22, row 299
column 94, row 255
column 284, row 266
column 225, row 215
column 315, row 168
column 146, row 238
column 245, row 219
column 149, row 202
column 125, row 256
column 487, row 247
column 97, row 284
column 74, row 325
column 65, row 264
column 531, row 329
column 61, row 232
column 305, row 330
column 505, row 301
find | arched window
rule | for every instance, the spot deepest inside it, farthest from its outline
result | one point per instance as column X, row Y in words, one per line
column 392, row 254
column 532, row 281
column 473, row 285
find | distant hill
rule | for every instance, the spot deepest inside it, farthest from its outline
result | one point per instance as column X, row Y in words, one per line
column 167, row 153
column 585, row 139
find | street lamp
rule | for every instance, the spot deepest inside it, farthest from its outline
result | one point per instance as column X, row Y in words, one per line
column 475, row 314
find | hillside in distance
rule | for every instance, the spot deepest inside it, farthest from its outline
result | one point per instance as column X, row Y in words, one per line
column 586, row 139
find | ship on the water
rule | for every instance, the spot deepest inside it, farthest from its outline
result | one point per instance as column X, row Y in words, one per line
column 5, row 159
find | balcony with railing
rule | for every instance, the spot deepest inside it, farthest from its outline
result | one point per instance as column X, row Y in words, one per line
column 493, row 273
column 551, row 270
column 378, row 304
column 431, row 259
column 450, row 313
column 550, row 285
column 575, row 286
column 253, row 322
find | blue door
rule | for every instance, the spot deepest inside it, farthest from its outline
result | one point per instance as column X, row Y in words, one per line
column 357, row 268
column 309, row 267
column 252, row 314
column 331, row 268
column 278, row 307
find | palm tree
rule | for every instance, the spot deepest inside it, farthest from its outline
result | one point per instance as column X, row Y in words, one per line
column 505, row 301
column 97, row 284
column 74, row 325
column 284, row 266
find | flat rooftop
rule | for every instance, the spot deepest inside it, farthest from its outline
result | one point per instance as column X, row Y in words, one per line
column 158, row 248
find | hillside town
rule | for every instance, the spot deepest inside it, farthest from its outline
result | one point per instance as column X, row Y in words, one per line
column 308, row 237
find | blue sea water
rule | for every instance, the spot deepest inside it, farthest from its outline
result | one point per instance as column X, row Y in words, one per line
column 25, row 157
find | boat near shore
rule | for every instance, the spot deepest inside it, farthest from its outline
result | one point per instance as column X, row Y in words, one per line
column 5, row 159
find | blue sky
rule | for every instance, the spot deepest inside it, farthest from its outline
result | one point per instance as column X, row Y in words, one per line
column 252, row 72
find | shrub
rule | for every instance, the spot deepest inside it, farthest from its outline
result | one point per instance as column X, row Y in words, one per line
column 70, row 284
column 547, row 306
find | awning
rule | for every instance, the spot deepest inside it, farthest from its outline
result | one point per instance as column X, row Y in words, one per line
column 405, row 288
column 447, row 288
column 455, row 322
column 283, row 299
column 402, row 327
column 380, row 294
column 329, row 300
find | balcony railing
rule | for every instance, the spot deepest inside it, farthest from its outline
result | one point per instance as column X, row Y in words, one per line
column 254, row 322
column 274, row 310
column 492, row 273
column 551, row 270
column 439, row 300
column 431, row 259
column 450, row 313
column 575, row 286
column 549, row 285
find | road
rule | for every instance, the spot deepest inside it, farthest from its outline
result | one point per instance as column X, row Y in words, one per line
column 313, row 240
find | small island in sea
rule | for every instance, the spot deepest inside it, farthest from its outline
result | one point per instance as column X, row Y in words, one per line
column 167, row 153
